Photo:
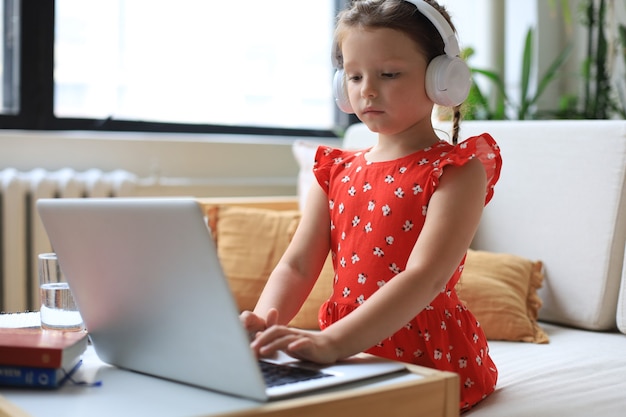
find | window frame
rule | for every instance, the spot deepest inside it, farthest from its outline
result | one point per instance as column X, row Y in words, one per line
column 36, row 89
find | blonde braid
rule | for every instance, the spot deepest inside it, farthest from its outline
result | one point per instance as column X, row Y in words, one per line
column 456, row 122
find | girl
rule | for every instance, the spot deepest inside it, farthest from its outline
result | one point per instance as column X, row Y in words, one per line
column 398, row 217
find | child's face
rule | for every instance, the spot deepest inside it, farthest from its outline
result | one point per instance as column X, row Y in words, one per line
column 385, row 79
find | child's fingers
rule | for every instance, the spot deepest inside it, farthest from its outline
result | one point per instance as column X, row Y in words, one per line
column 251, row 323
column 272, row 318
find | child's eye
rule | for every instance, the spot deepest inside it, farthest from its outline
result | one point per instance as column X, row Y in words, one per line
column 390, row 74
column 354, row 77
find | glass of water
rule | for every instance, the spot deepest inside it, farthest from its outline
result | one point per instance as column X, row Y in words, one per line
column 58, row 309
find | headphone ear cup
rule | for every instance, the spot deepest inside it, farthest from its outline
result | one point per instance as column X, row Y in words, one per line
column 339, row 92
column 448, row 81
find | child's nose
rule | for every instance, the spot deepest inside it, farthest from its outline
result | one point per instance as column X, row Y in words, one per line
column 369, row 88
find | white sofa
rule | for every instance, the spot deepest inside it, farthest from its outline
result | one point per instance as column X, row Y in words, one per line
column 561, row 199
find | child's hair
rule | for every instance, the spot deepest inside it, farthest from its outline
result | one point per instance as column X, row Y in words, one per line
column 400, row 15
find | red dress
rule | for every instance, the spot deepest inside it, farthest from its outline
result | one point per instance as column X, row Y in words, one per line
column 377, row 211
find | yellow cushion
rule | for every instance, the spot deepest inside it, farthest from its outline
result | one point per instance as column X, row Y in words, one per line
column 250, row 243
column 501, row 290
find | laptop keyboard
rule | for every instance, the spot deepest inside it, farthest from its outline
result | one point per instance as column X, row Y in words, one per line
column 275, row 374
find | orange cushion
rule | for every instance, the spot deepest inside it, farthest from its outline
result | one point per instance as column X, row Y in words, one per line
column 501, row 291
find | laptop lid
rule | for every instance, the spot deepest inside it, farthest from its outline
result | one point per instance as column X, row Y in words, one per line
column 148, row 283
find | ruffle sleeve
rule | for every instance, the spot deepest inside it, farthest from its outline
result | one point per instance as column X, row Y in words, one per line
column 325, row 159
column 483, row 147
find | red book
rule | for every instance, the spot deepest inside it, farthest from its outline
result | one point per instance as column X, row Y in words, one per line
column 40, row 348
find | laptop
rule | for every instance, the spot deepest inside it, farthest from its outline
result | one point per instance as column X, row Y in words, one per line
column 148, row 283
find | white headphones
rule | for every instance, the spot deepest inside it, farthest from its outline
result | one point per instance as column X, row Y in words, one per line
column 448, row 78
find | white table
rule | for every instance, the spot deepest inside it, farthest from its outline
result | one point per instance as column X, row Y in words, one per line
column 421, row 392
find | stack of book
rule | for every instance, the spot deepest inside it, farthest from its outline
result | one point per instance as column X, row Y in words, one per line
column 33, row 357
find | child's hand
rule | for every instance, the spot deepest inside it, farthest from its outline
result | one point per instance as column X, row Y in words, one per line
column 300, row 344
column 255, row 324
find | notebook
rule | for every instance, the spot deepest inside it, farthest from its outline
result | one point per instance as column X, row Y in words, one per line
column 148, row 283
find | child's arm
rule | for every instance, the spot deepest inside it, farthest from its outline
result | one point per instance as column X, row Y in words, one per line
column 453, row 215
column 296, row 273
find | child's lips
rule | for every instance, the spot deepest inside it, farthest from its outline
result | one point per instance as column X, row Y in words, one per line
column 372, row 111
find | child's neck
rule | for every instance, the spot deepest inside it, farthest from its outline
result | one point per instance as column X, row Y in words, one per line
column 389, row 148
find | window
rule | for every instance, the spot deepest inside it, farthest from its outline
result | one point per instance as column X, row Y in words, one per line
column 248, row 63
column 190, row 65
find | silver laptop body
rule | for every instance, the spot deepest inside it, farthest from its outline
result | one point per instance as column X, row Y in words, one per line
column 149, row 286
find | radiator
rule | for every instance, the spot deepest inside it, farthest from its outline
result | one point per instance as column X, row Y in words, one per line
column 22, row 235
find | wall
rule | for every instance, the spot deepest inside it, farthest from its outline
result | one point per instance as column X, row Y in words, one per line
column 167, row 164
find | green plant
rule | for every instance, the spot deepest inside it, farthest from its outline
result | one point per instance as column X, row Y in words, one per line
column 478, row 104
column 525, row 109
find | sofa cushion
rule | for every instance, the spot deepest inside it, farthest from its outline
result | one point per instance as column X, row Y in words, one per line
column 561, row 198
column 579, row 373
column 501, row 291
column 250, row 243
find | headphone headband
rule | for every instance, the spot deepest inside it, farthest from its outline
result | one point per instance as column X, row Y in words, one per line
column 451, row 45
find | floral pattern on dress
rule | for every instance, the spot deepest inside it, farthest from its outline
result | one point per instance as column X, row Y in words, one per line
column 377, row 211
